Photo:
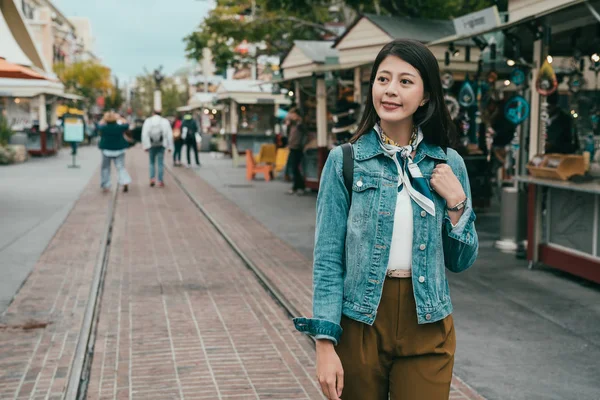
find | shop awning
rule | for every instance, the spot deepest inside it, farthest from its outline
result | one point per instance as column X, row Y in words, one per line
column 507, row 25
column 10, row 87
column 16, row 71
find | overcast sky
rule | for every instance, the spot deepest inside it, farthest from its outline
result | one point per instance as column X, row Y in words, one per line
column 133, row 34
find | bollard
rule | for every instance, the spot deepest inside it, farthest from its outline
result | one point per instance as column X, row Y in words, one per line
column 508, row 220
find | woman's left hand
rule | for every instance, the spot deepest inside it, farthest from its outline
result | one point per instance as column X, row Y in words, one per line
column 447, row 185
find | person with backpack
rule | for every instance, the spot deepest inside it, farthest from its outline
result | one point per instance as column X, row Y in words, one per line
column 157, row 137
column 189, row 129
column 394, row 211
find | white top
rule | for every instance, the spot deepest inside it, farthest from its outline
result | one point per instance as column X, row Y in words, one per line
column 166, row 129
column 402, row 238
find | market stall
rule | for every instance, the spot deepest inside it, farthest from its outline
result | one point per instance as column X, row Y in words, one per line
column 249, row 112
column 556, row 46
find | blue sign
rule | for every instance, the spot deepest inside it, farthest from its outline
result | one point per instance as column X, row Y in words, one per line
column 73, row 129
column 516, row 110
column 517, row 77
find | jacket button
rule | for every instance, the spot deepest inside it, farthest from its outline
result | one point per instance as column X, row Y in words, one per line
column 421, row 279
column 422, row 247
column 423, row 214
column 359, row 183
column 428, row 317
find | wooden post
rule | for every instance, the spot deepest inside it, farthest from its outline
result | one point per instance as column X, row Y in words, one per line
column 357, row 85
column 534, row 116
column 297, row 93
column 321, row 124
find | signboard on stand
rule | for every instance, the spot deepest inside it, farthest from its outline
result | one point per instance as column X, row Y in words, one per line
column 73, row 129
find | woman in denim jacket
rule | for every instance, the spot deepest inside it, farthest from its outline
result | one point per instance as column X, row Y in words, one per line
column 381, row 255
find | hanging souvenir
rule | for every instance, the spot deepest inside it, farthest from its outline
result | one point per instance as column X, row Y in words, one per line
column 576, row 82
column 492, row 77
column 516, row 110
column 447, row 80
column 546, row 82
column 452, row 105
column 466, row 95
column 517, row 76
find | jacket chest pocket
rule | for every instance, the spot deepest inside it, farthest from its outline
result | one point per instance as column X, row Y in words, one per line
column 364, row 189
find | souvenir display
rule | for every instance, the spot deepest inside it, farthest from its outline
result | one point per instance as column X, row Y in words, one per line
column 452, row 105
column 447, row 80
column 517, row 77
column 516, row 109
column 466, row 95
column 546, row 82
column 576, row 82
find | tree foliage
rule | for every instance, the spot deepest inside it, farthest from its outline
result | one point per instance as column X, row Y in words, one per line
column 275, row 24
column 142, row 101
column 87, row 78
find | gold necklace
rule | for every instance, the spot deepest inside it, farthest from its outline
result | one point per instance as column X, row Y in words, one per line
column 413, row 137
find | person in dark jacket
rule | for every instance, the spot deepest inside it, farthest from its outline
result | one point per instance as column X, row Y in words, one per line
column 113, row 143
column 296, row 136
column 189, row 128
column 177, row 141
column 560, row 136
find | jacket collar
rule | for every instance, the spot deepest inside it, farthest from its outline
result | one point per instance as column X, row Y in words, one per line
column 368, row 147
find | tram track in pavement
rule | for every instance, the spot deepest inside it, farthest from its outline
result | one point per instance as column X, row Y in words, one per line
column 82, row 361
column 79, row 376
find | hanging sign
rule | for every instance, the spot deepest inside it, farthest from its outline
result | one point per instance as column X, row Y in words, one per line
column 546, row 82
column 516, row 110
column 478, row 21
column 452, row 105
column 466, row 95
column 447, row 80
column 517, row 76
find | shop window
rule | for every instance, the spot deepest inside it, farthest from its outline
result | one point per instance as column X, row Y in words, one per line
column 256, row 118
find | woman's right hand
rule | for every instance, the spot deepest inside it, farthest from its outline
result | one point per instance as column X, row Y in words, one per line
column 330, row 373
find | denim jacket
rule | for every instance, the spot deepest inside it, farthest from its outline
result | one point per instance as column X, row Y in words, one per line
column 352, row 246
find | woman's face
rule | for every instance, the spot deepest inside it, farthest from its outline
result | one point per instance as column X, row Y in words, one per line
column 398, row 90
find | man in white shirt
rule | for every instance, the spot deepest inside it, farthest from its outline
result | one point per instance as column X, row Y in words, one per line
column 157, row 136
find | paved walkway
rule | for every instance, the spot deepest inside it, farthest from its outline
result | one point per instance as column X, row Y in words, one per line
column 36, row 198
column 182, row 317
column 40, row 329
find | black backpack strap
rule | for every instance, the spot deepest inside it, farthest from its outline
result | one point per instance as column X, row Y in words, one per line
column 348, row 168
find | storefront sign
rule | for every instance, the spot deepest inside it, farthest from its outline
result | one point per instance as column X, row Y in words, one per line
column 476, row 22
column 516, row 110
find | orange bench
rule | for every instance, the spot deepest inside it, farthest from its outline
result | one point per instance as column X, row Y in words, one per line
column 253, row 168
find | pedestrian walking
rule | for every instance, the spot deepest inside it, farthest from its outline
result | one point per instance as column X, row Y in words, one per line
column 157, row 137
column 189, row 129
column 383, row 246
column 296, row 138
column 177, row 141
column 113, row 143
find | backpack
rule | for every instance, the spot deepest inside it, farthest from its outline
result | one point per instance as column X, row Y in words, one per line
column 156, row 134
column 348, row 168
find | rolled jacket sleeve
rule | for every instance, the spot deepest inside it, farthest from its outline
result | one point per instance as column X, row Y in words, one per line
column 460, row 241
column 328, row 266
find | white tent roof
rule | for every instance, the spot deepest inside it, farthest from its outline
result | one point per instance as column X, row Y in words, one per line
column 29, row 87
column 9, row 48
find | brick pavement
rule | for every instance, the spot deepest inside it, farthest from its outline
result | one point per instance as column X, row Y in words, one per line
column 35, row 363
column 284, row 266
column 182, row 317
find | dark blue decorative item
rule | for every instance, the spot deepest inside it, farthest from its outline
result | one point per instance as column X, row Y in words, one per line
column 516, row 110
column 517, row 76
column 466, row 95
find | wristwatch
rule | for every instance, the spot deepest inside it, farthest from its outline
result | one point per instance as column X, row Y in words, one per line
column 458, row 207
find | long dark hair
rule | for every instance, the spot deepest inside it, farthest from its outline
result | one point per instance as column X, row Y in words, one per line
column 433, row 118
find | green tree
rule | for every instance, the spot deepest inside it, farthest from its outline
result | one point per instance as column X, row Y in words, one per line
column 142, row 102
column 275, row 24
column 114, row 97
column 87, row 78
